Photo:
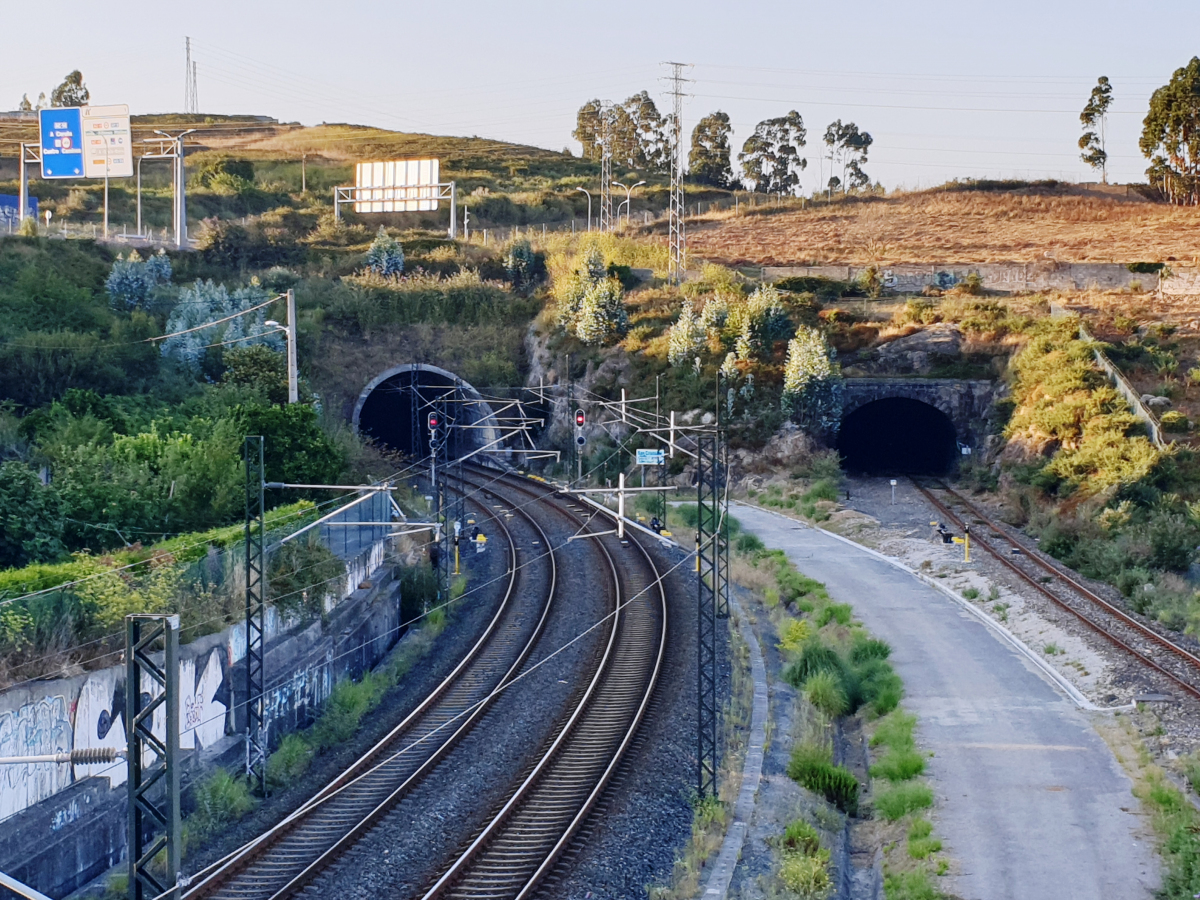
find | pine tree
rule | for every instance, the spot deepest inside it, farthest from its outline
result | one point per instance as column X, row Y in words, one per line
column 385, row 256
column 812, row 382
column 602, row 315
column 685, row 336
column 519, row 264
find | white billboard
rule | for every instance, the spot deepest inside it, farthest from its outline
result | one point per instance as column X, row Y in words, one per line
column 399, row 185
column 107, row 144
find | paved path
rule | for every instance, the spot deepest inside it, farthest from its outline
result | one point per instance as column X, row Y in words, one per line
column 743, row 810
column 1031, row 803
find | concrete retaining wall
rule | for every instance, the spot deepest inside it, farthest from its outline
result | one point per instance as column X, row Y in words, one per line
column 1008, row 277
column 62, row 825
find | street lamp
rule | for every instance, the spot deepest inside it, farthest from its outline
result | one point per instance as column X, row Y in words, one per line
column 628, row 204
column 589, row 193
column 289, row 334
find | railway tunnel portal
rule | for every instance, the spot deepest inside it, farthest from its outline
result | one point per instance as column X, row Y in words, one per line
column 914, row 426
column 393, row 410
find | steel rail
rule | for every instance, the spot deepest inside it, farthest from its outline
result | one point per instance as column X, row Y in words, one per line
column 524, row 840
column 298, row 848
column 1108, row 608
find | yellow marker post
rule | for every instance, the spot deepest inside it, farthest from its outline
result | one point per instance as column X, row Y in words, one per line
column 456, row 570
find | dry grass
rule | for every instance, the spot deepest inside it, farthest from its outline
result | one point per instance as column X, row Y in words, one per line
column 956, row 227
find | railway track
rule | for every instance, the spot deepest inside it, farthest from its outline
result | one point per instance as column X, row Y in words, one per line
column 525, row 838
column 284, row 859
column 1147, row 646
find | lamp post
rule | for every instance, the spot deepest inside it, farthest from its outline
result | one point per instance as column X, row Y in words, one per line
column 289, row 334
column 628, row 204
column 589, row 196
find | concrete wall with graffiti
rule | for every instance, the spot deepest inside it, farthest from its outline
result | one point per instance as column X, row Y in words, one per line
column 87, row 711
column 1007, row 277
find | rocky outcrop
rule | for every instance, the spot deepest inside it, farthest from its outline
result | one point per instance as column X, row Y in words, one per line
column 918, row 353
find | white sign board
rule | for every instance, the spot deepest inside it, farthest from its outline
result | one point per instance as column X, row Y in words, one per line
column 651, row 457
column 399, row 185
column 107, row 144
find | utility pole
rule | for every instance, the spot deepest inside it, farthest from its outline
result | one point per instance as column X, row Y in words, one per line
column 30, row 154
column 606, row 116
column 678, row 243
column 304, row 173
column 589, row 196
column 151, row 692
column 191, row 102
column 292, row 374
column 256, row 746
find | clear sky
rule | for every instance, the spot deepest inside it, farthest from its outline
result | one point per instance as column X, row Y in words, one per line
column 948, row 88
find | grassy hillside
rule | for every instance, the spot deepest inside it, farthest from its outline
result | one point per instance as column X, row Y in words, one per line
column 954, row 224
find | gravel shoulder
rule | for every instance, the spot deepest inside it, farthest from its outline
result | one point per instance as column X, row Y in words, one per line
column 1031, row 802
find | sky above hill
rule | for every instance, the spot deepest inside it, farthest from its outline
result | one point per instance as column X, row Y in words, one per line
column 948, row 88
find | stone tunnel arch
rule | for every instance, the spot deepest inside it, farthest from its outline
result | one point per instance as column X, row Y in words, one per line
column 898, row 436
column 384, row 411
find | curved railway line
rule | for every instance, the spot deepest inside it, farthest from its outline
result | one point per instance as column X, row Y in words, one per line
column 526, row 837
column 523, row 840
column 285, row 858
column 1138, row 640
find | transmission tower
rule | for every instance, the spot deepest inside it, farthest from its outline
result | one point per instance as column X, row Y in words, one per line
column 678, row 243
column 606, row 153
column 191, row 100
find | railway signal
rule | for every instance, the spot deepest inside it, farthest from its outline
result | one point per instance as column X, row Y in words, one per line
column 434, row 421
column 580, row 418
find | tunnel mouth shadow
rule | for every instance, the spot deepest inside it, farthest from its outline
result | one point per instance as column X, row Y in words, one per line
column 393, row 411
column 898, row 436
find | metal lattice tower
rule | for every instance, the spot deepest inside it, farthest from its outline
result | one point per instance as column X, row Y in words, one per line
column 256, row 738
column 606, row 154
column 152, row 694
column 712, row 569
column 678, row 239
column 191, row 99
column 439, row 440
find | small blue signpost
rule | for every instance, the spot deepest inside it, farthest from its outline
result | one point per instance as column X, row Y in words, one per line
column 651, row 457
column 10, row 211
column 62, row 142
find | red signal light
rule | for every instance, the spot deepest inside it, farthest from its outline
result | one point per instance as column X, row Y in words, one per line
column 580, row 418
column 434, row 422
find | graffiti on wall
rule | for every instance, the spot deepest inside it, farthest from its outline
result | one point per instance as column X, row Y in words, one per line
column 37, row 728
column 100, row 722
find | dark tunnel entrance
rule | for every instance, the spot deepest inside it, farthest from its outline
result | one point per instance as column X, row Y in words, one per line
column 394, row 410
column 898, row 436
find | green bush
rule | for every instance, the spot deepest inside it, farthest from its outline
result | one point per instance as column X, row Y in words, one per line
column 748, row 543
column 815, row 656
column 289, row 761
column 348, row 702
column 806, row 876
column 825, row 489
column 841, row 613
column 1175, row 422
column 221, row 799
column 801, row 837
column 811, row 767
column 921, row 842
column 901, row 765
column 824, row 691
column 909, row 886
column 899, row 800
column 867, row 649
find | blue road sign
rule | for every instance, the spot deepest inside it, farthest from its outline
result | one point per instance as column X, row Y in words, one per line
column 651, row 457
column 10, row 210
column 62, row 142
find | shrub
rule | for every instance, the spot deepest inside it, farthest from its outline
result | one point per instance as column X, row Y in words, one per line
column 815, row 657
column 899, row 765
column 801, row 837
column 824, row 691
column 810, row 766
column 519, row 265
column 748, row 543
column 921, row 842
column 290, row 761
column 909, row 886
column 807, row 876
column 31, row 516
column 221, row 799
column 899, row 800
column 841, row 613
column 1175, row 422
column 868, row 649
column 385, row 256
column 793, row 634
column 971, row 593
column 895, row 731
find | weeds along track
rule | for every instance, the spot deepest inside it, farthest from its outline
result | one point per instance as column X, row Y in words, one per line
column 1146, row 645
column 522, row 842
column 284, row 859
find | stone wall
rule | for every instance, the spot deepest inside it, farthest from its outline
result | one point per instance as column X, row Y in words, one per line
column 1006, row 277
column 62, row 825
